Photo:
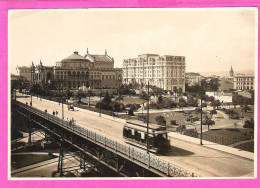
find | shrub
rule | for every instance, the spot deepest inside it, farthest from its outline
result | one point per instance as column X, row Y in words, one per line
column 249, row 123
column 160, row 120
column 191, row 132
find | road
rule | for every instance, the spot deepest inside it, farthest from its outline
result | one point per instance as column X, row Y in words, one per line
column 201, row 160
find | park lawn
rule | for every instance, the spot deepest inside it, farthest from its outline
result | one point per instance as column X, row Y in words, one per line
column 19, row 161
column 238, row 134
column 132, row 100
column 178, row 116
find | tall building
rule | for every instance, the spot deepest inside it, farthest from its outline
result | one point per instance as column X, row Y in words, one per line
column 166, row 72
column 244, row 82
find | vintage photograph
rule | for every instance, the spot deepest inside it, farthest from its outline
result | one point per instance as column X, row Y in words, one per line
column 126, row 93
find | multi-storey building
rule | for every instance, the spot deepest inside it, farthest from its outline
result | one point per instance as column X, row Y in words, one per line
column 244, row 82
column 91, row 71
column 193, row 78
column 24, row 72
column 166, row 72
column 41, row 74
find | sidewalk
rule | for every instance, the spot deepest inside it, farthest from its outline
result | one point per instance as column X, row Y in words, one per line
column 213, row 145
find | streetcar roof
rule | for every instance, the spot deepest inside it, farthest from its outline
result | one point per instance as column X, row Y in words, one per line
column 158, row 129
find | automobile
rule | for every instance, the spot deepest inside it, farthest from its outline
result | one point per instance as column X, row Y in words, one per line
column 70, row 107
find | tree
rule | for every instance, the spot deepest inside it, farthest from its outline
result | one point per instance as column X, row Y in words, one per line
column 143, row 95
column 107, row 99
column 192, row 101
column 246, row 108
column 175, row 91
column 79, row 95
column 181, row 103
column 89, row 94
column 160, row 120
column 208, row 121
column 160, row 100
column 215, row 104
column 68, row 93
column 249, row 123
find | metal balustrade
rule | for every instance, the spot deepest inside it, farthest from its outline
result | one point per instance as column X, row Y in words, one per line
column 151, row 160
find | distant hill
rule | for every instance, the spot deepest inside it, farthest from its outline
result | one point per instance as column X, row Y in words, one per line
column 226, row 73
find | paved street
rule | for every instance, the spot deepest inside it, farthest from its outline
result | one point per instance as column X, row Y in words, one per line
column 202, row 160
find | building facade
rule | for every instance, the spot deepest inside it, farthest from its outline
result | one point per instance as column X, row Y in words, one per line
column 166, row 72
column 193, row 78
column 24, row 72
column 244, row 82
column 41, row 74
column 91, row 71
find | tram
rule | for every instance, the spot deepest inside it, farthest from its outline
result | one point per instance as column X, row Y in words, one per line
column 135, row 133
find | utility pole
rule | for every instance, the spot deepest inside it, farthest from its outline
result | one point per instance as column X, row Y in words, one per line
column 201, row 113
column 31, row 83
column 147, row 138
column 62, row 102
column 100, row 101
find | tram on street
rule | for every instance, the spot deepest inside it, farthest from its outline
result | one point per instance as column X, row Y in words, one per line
column 135, row 133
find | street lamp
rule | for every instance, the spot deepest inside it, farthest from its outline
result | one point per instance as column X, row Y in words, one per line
column 32, row 70
column 100, row 101
column 147, row 138
column 201, row 112
column 62, row 101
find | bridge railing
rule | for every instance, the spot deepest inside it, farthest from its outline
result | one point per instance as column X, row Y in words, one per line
column 150, row 160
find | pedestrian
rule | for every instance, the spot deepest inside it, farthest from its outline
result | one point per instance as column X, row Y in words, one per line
column 53, row 113
column 113, row 115
column 56, row 113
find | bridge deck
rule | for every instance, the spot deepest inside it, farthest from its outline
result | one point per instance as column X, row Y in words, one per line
column 201, row 160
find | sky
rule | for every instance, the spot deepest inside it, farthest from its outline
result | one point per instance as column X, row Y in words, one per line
column 209, row 38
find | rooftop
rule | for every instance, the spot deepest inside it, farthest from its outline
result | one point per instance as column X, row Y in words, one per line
column 75, row 56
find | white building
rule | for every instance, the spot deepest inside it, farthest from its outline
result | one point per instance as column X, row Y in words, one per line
column 223, row 97
column 166, row 72
column 244, row 82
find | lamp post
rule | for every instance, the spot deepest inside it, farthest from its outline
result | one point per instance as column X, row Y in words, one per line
column 100, row 101
column 147, row 138
column 201, row 113
column 62, row 101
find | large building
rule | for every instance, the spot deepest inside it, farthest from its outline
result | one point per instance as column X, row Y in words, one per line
column 193, row 78
column 166, row 72
column 244, row 82
column 24, row 72
column 75, row 71
column 41, row 74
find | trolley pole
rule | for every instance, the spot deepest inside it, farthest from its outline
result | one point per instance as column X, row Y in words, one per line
column 147, row 138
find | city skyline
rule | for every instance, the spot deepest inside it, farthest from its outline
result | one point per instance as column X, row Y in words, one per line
column 209, row 32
